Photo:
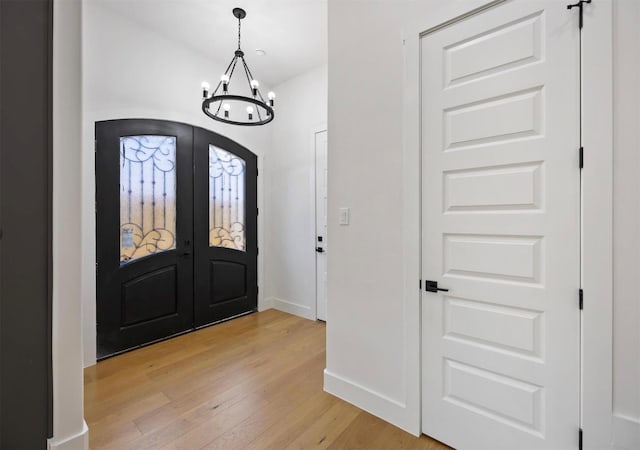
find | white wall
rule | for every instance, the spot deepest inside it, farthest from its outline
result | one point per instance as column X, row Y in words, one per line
column 373, row 327
column 290, row 206
column 69, row 428
column 133, row 72
column 373, row 332
column 626, row 224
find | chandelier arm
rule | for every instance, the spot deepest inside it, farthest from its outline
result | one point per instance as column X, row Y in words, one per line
column 225, row 72
column 247, row 72
column 251, row 75
column 235, row 58
column 233, row 61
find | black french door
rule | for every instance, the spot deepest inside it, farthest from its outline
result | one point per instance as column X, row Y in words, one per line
column 226, row 224
column 176, row 231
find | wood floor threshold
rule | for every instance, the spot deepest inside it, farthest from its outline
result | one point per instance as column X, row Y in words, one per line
column 254, row 382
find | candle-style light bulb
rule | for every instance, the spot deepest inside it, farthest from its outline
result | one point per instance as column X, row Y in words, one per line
column 205, row 89
column 250, row 112
column 226, row 108
column 272, row 97
column 254, row 87
column 225, row 82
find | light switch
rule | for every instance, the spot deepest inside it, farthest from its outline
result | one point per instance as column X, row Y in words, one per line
column 344, row 216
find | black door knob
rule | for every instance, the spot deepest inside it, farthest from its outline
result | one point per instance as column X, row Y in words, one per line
column 319, row 249
column 432, row 286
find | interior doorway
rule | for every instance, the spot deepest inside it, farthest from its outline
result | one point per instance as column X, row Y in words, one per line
column 176, row 218
column 501, row 228
column 320, row 145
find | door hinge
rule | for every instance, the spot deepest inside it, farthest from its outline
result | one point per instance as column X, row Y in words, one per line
column 257, row 211
column 257, row 172
column 580, row 439
column 420, row 284
column 257, row 289
column 581, row 297
column 581, row 157
column 580, row 6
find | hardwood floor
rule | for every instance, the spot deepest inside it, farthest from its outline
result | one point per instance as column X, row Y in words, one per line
column 251, row 383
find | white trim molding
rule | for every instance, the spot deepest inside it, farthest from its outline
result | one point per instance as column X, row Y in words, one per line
column 367, row 399
column 597, row 225
column 77, row 441
column 297, row 309
column 312, row 201
column 625, row 432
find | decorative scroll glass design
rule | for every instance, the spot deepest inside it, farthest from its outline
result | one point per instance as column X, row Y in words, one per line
column 226, row 199
column 147, row 196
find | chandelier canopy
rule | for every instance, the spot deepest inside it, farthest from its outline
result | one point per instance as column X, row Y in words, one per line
column 236, row 108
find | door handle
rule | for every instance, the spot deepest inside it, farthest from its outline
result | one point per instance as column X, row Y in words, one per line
column 319, row 250
column 186, row 254
column 432, row 286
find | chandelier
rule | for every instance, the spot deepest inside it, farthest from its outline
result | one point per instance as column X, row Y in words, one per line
column 235, row 108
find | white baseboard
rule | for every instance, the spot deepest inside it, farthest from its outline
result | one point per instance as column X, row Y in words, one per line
column 626, row 433
column 78, row 441
column 373, row 402
column 296, row 309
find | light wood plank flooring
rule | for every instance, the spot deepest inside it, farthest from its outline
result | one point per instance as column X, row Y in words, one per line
column 251, row 383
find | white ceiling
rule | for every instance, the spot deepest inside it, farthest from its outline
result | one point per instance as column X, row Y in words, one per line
column 292, row 32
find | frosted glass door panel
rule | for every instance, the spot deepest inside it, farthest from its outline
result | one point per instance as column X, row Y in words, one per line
column 147, row 196
column 226, row 199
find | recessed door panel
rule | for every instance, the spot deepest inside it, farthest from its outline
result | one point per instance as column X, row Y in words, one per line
column 503, row 48
column 228, row 281
column 150, row 296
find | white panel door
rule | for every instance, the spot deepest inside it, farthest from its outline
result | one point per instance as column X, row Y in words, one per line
column 501, row 228
column 321, row 225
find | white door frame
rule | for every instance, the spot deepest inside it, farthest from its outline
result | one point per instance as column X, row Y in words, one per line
column 597, row 210
column 315, row 130
column 597, row 225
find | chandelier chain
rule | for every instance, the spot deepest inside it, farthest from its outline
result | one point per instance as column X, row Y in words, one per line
column 239, row 33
